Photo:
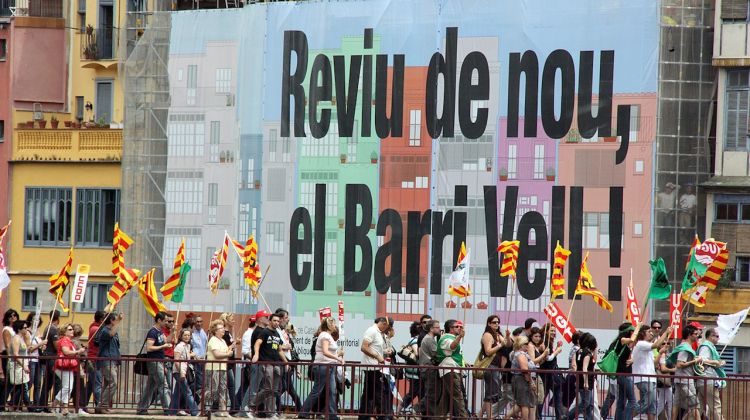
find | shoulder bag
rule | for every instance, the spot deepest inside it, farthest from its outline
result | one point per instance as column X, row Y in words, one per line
column 139, row 367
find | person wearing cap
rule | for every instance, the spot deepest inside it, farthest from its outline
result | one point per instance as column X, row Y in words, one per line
column 248, row 383
column 376, row 388
column 699, row 327
column 449, row 355
column 267, row 350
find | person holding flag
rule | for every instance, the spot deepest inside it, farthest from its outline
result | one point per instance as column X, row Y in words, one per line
column 59, row 282
column 458, row 282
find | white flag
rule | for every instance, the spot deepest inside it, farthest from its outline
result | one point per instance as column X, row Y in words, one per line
column 728, row 325
column 4, row 279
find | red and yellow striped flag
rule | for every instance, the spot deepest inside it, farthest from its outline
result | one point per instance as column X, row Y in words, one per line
column 174, row 280
column 120, row 243
column 125, row 281
column 59, row 282
column 223, row 255
column 147, row 290
column 248, row 253
column 557, row 281
column 712, row 275
column 458, row 282
column 509, row 249
column 586, row 287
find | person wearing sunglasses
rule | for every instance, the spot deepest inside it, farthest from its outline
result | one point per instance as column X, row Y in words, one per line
column 450, row 356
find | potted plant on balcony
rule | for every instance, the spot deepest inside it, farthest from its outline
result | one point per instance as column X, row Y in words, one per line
column 550, row 173
column 341, row 223
column 54, row 121
column 68, row 123
column 257, row 184
column 610, row 139
column 573, row 136
column 503, row 172
column 342, row 157
column 373, row 157
column 42, row 124
column 489, row 165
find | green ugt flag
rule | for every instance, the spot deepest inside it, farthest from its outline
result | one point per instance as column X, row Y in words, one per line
column 179, row 291
column 660, row 288
column 695, row 271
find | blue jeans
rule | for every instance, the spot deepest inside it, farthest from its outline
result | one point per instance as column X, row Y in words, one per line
column 325, row 381
column 93, row 385
column 647, row 403
column 584, row 405
column 182, row 397
column 625, row 398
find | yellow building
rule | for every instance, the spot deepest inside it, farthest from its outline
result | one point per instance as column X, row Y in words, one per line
column 65, row 181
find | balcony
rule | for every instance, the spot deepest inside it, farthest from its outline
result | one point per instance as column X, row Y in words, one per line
column 32, row 8
column 98, row 45
column 68, row 145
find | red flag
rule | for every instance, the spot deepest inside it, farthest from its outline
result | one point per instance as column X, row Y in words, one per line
column 675, row 314
column 631, row 302
column 560, row 321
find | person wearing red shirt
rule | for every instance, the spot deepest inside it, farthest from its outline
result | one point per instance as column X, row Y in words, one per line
column 93, row 375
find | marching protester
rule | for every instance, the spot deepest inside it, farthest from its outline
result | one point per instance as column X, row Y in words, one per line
column 66, row 366
column 431, row 385
column 643, row 365
column 35, row 375
column 228, row 338
column 685, row 360
column 154, row 345
column 249, row 382
column 491, row 344
column 585, row 360
column 287, row 381
column 109, row 350
column 327, row 358
column 182, row 396
column 198, row 343
column 410, row 353
column 93, row 375
column 51, row 381
column 664, row 394
column 376, row 389
column 551, row 382
column 267, row 350
column 708, row 389
column 9, row 318
column 524, row 378
column 18, row 368
column 217, row 353
column 449, row 355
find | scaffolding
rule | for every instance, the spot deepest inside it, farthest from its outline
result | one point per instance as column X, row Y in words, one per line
column 144, row 162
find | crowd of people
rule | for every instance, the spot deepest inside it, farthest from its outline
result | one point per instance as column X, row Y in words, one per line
column 194, row 369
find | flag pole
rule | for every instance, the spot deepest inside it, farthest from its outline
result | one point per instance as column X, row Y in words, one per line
column 645, row 298
column 570, row 310
column 512, row 279
column 213, row 299
column 54, row 308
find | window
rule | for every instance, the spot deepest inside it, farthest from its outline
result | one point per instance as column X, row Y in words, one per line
column 512, row 160
column 184, row 192
column 48, row 216
column 192, row 84
column 2, row 131
column 215, row 138
column 28, row 299
column 275, row 237
column 727, row 212
column 272, row 143
column 538, row 161
column 639, row 166
column 638, row 229
column 595, row 230
column 96, row 297
column 97, row 210
column 186, row 135
column 79, row 108
column 742, row 270
column 213, row 201
column 3, row 49
column 403, row 303
column 737, row 99
column 415, row 127
column 635, row 122
column 223, row 80
column 172, row 240
column 330, row 260
column 286, row 151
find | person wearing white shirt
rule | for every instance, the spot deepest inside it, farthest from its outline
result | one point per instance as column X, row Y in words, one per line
column 287, row 376
column 644, row 364
column 376, row 388
column 247, row 391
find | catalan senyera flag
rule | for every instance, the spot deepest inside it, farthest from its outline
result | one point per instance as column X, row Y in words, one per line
column 59, row 282
column 458, row 283
column 707, row 264
column 586, row 287
column 147, row 290
column 509, row 249
column 223, row 255
column 248, row 253
column 557, row 281
column 174, row 280
column 125, row 281
column 120, row 243
column 4, row 279
column 213, row 272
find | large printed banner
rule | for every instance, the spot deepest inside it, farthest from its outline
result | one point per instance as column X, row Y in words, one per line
column 362, row 142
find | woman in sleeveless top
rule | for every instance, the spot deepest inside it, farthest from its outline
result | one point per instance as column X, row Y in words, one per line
column 524, row 378
column 585, row 361
column 18, row 366
column 492, row 343
column 9, row 318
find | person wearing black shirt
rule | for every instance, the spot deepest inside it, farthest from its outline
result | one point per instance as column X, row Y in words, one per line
column 51, row 381
column 585, row 361
column 625, row 388
column 552, row 381
column 267, row 350
column 154, row 345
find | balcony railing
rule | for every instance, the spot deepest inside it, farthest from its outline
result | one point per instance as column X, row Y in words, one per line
column 98, row 44
column 68, row 145
column 33, row 8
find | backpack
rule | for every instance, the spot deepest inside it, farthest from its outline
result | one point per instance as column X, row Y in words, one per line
column 312, row 358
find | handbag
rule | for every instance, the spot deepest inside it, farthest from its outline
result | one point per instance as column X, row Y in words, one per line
column 540, row 394
column 139, row 367
column 608, row 364
column 66, row 363
column 482, row 362
column 407, row 353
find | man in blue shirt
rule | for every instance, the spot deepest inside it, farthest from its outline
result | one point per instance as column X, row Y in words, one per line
column 109, row 347
column 199, row 342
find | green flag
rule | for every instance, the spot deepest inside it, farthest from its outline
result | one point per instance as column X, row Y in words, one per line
column 179, row 291
column 694, row 272
column 660, row 288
